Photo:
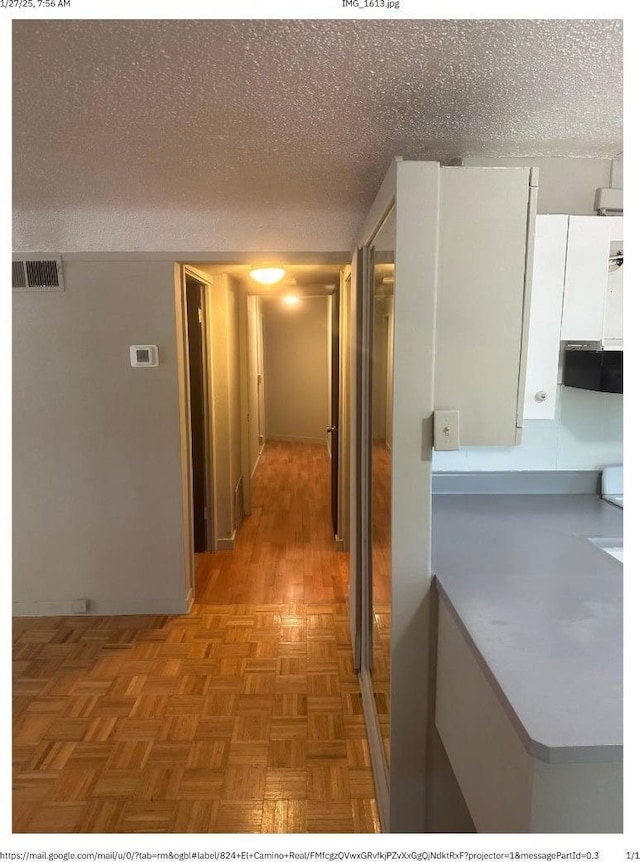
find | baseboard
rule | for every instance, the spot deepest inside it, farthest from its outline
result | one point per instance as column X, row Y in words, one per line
column 104, row 608
column 188, row 601
column 286, row 439
column 339, row 545
column 255, row 466
column 226, row 544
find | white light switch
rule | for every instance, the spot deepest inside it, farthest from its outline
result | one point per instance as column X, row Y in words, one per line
column 446, row 429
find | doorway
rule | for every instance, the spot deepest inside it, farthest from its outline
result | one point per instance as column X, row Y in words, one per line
column 198, row 365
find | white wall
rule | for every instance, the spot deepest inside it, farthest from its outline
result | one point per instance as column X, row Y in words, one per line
column 97, row 497
column 296, row 369
column 565, row 185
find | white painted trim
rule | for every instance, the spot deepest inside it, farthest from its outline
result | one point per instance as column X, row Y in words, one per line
column 227, row 543
column 376, row 751
column 321, row 441
column 344, row 416
column 208, row 398
column 255, row 466
column 190, row 598
column 184, row 413
column 414, row 188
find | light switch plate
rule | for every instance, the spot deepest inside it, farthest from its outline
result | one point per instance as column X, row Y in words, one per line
column 446, row 430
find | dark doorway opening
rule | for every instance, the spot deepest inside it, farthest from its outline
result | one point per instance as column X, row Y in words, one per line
column 197, row 393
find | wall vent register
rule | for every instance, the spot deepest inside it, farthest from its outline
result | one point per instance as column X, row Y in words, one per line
column 42, row 273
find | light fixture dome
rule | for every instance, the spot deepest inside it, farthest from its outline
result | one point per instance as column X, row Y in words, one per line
column 267, row 275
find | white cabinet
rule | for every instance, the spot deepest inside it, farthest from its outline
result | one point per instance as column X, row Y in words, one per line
column 550, row 251
column 586, row 277
column 574, row 297
column 613, row 334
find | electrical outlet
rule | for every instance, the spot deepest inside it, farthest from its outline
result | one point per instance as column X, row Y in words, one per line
column 80, row 606
column 446, row 430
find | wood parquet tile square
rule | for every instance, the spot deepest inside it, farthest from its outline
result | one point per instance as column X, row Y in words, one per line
column 242, row 716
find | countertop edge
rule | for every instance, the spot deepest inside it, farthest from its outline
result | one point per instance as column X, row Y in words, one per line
column 545, row 753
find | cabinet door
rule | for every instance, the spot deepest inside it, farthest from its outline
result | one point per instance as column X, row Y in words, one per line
column 585, row 278
column 613, row 321
column 549, row 256
column 485, row 249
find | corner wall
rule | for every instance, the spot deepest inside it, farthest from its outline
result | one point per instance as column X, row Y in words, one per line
column 97, row 485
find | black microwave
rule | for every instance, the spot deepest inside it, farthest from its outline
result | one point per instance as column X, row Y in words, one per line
column 599, row 370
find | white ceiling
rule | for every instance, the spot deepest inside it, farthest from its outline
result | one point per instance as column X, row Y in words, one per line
column 300, row 115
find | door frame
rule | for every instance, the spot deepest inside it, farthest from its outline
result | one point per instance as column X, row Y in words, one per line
column 402, row 787
column 185, row 421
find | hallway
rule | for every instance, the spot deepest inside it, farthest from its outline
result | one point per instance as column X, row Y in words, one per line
column 244, row 716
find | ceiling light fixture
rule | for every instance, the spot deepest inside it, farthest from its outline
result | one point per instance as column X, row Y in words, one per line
column 267, row 275
column 291, row 300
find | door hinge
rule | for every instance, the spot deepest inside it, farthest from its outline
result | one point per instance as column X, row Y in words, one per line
column 200, row 316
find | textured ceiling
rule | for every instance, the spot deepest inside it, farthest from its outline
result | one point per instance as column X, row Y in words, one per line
column 221, row 115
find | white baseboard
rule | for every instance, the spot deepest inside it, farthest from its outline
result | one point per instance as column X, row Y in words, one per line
column 189, row 599
column 277, row 438
column 228, row 543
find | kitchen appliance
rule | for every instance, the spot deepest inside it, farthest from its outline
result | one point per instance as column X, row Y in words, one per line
column 598, row 370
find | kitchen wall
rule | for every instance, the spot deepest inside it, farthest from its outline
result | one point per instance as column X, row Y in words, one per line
column 586, row 434
column 97, row 494
column 296, row 369
column 565, row 185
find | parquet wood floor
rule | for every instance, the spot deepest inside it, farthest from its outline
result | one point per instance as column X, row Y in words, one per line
column 244, row 716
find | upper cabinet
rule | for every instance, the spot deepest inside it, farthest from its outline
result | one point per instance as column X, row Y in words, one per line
column 586, row 283
column 550, row 253
column 576, row 296
column 485, row 249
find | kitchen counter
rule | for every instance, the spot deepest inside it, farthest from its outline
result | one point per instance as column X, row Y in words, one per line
column 541, row 608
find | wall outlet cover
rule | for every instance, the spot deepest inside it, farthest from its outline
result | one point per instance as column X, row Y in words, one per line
column 80, row 606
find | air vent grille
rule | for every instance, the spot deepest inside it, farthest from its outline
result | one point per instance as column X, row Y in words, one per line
column 37, row 273
column 18, row 274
